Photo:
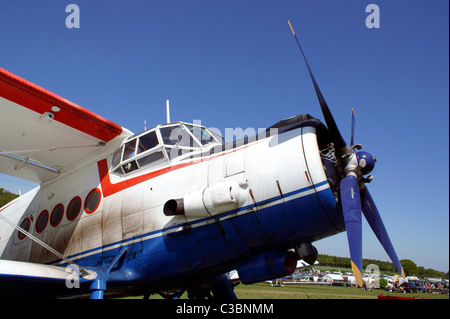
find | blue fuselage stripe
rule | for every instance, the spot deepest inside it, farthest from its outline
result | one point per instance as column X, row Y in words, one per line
column 192, row 223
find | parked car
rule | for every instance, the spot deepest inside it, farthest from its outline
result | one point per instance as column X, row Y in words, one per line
column 410, row 287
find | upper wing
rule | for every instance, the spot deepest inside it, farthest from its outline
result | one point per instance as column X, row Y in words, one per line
column 43, row 134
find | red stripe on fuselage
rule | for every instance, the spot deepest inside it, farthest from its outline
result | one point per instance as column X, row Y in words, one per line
column 109, row 188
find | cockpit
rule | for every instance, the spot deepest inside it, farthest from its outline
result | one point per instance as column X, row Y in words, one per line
column 162, row 145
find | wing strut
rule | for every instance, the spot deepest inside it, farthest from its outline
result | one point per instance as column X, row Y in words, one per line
column 83, row 272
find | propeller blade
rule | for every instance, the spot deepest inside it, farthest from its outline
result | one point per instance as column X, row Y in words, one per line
column 339, row 142
column 374, row 219
column 352, row 139
column 351, row 208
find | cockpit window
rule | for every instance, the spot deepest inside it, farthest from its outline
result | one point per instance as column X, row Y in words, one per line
column 129, row 167
column 151, row 158
column 201, row 134
column 130, row 150
column 177, row 135
column 174, row 152
column 160, row 145
column 147, row 142
column 218, row 137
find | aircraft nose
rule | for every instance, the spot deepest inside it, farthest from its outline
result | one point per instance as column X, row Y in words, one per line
column 366, row 161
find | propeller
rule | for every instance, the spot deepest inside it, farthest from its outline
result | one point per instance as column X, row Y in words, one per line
column 339, row 142
column 351, row 206
column 374, row 219
column 354, row 195
column 353, row 122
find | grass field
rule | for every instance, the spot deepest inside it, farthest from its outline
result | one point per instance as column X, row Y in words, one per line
column 265, row 291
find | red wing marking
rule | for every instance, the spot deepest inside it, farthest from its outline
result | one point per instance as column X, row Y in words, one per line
column 35, row 98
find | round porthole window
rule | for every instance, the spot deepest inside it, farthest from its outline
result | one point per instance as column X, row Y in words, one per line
column 92, row 201
column 57, row 215
column 42, row 221
column 26, row 226
column 74, row 208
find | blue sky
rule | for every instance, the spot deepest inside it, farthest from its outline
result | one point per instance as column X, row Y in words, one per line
column 235, row 64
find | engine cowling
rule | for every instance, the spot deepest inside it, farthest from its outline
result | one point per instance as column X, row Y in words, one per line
column 307, row 252
column 215, row 199
column 267, row 265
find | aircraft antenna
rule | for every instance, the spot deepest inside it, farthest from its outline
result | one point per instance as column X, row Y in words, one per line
column 167, row 112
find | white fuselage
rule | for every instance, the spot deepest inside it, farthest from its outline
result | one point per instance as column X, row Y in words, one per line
column 117, row 210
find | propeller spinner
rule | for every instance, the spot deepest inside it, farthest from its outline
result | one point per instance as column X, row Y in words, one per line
column 353, row 192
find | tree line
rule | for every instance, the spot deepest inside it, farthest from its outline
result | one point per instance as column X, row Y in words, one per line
column 387, row 267
column 6, row 197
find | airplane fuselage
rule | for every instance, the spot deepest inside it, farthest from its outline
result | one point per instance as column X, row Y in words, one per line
column 239, row 203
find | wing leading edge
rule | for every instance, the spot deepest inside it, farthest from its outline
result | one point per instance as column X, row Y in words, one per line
column 44, row 134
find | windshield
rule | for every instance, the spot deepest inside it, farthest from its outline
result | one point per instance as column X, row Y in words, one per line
column 162, row 144
column 201, row 134
column 177, row 135
column 141, row 151
column 147, row 142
